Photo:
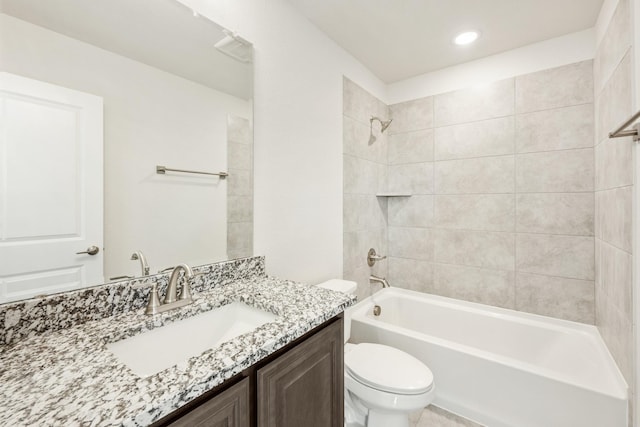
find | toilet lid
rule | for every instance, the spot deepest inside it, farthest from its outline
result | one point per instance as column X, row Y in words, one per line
column 388, row 369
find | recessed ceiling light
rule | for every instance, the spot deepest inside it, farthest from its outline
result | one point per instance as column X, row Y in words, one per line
column 466, row 37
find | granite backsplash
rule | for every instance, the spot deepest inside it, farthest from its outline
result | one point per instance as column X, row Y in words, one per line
column 64, row 310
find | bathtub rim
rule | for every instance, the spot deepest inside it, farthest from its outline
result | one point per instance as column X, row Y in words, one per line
column 359, row 313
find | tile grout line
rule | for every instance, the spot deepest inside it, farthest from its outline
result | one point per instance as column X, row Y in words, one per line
column 488, row 156
column 387, row 202
column 492, row 118
column 468, row 230
column 492, row 269
column 596, row 260
column 515, row 201
column 502, row 116
column 433, row 181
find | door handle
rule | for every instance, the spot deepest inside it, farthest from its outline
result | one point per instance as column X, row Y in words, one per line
column 91, row 250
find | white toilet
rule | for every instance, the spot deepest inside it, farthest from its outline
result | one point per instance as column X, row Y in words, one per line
column 383, row 385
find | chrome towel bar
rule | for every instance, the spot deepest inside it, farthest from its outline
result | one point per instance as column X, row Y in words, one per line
column 634, row 131
column 163, row 169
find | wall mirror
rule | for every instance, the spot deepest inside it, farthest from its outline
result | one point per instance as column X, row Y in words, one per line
column 94, row 97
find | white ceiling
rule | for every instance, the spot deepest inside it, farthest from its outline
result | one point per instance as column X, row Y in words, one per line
column 161, row 33
column 398, row 39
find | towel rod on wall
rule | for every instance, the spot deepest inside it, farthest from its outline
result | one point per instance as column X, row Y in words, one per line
column 163, row 169
column 634, row 131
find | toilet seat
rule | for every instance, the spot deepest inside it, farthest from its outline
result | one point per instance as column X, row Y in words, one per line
column 388, row 369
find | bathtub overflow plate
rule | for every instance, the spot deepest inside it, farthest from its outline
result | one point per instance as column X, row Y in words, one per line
column 377, row 310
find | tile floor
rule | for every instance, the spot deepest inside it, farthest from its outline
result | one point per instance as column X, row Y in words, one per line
column 436, row 417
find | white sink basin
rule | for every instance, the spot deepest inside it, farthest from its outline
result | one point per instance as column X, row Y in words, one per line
column 150, row 352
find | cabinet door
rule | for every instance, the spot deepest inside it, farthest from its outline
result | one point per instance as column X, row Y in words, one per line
column 228, row 409
column 304, row 387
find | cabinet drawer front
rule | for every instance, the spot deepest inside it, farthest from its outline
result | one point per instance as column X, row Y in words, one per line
column 304, row 387
column 228, row 409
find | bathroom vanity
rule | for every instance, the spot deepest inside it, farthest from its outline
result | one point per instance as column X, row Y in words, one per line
column 57, row 369
column 298, row 385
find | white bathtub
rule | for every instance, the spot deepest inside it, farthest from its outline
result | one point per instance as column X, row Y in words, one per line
column 500, row 367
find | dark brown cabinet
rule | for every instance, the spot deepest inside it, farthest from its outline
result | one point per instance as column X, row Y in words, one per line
column 228, row 409
column 304, row 387
column 301, row 384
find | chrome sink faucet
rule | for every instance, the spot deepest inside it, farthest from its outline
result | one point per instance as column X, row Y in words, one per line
column 382, row 280
column 171, row 299
column 138, row 255
column 172, row 289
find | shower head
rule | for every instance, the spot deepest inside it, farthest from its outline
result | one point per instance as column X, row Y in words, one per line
column 384, row 124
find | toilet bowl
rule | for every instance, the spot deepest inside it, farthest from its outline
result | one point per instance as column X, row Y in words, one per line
column 383, row 385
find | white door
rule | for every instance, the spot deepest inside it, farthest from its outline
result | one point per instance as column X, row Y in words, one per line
column 50, row 188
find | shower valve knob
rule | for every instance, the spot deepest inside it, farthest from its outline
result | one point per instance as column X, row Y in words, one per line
column 372, row 257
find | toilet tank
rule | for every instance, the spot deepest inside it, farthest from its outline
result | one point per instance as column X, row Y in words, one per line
column 346, row 287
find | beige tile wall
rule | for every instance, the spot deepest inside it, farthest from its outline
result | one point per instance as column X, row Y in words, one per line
column 239, row 188
column 507, row 218
column 614, row 188
column 364, row 175
column 502, row 184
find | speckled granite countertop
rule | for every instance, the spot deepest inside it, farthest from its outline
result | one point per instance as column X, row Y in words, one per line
column 67, row 377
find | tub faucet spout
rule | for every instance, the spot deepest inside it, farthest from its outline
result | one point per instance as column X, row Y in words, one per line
column 382, row 280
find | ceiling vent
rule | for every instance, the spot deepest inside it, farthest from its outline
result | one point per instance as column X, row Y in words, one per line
column 236, row 47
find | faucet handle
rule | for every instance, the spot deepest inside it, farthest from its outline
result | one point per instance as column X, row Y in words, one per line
column 154, row 300
column 185, row 293
column 153, row 304
column 373, row 257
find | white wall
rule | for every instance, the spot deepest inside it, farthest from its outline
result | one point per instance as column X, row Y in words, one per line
column 574, row 47
column 151, row 117
column 298, row 134
column 635, row 8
